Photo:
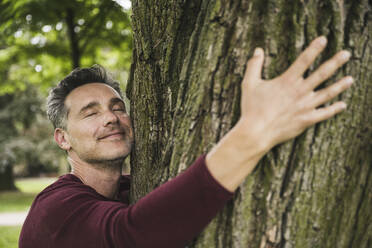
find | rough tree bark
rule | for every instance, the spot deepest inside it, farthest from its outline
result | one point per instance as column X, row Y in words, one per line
column 188, row 63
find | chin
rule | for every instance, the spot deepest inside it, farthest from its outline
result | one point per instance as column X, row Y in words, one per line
column 113, row 160
column 109, row 152
column 117, row 152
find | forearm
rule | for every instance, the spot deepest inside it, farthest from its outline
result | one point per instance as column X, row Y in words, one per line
column 173, row 213
column 236, row 155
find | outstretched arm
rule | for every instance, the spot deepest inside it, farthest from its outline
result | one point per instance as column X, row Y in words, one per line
column 274, row 111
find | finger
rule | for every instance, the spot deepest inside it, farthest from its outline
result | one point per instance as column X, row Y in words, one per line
column 327, row 69
column 325, row 95
column 254, row 67
column 325, row 113
column 306, row 58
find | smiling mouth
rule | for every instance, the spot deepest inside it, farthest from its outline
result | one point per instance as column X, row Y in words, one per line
column 119, row 135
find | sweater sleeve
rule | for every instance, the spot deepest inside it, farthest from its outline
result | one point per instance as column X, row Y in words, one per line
column 173, row 213
column 71, row 214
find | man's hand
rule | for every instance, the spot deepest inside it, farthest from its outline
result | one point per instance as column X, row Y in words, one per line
column 282, row 108
column 273, row 111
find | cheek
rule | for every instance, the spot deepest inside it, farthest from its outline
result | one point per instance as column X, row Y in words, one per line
column 125, row 120
column 127, row 124
column 84, row 131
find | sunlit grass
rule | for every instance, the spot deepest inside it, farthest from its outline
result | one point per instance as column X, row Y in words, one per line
column 15, row 201
column 33, row 185
column 9, row 236
column 12, row 201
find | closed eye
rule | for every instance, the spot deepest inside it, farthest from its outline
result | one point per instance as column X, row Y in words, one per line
column 119, row 110
column 91, row 114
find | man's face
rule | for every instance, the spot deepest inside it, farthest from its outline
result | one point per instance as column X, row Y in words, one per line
column 98, row 126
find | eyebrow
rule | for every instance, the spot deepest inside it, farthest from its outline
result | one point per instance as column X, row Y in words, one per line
column 88, row 106
column 116, row 100
column 93, row 104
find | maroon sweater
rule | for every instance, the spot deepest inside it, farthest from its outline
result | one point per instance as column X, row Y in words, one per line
column 71, row 214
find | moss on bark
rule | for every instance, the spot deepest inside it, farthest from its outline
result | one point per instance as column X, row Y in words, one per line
column 189, row 59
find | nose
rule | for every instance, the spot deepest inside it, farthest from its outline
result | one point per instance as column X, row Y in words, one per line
column 110, row 118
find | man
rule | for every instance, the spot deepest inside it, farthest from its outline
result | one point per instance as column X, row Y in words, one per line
column 89, row 207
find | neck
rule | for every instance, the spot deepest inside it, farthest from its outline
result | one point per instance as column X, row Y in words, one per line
column 101, row 177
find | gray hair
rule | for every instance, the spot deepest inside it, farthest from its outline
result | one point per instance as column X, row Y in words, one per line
column 56, row 109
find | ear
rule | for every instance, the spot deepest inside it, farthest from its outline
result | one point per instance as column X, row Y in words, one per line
column 62, row 139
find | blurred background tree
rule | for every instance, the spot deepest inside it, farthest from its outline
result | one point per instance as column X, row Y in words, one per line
column 41, row 41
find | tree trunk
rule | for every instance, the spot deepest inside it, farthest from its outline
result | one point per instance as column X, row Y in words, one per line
column 188, row 63
column 73, row 39
column 7, row 132
column 6, row 177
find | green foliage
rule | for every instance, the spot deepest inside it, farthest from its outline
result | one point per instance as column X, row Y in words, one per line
column 9, row 236
column 36, row 46
column 40, row 42
column 27, row 139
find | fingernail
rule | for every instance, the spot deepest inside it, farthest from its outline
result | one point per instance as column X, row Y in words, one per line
column 349, row 80
column 257, row 51
column 323, row 40
column 343, row 105
column 345, row 55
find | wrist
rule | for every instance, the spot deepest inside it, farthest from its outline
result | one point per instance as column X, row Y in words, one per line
column 236, row 155
column 251, row 133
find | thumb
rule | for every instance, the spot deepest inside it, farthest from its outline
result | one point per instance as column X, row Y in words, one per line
column 254, row 67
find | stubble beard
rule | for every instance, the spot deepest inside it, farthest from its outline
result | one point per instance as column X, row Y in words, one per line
column 106, row 163
column 103, row 162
